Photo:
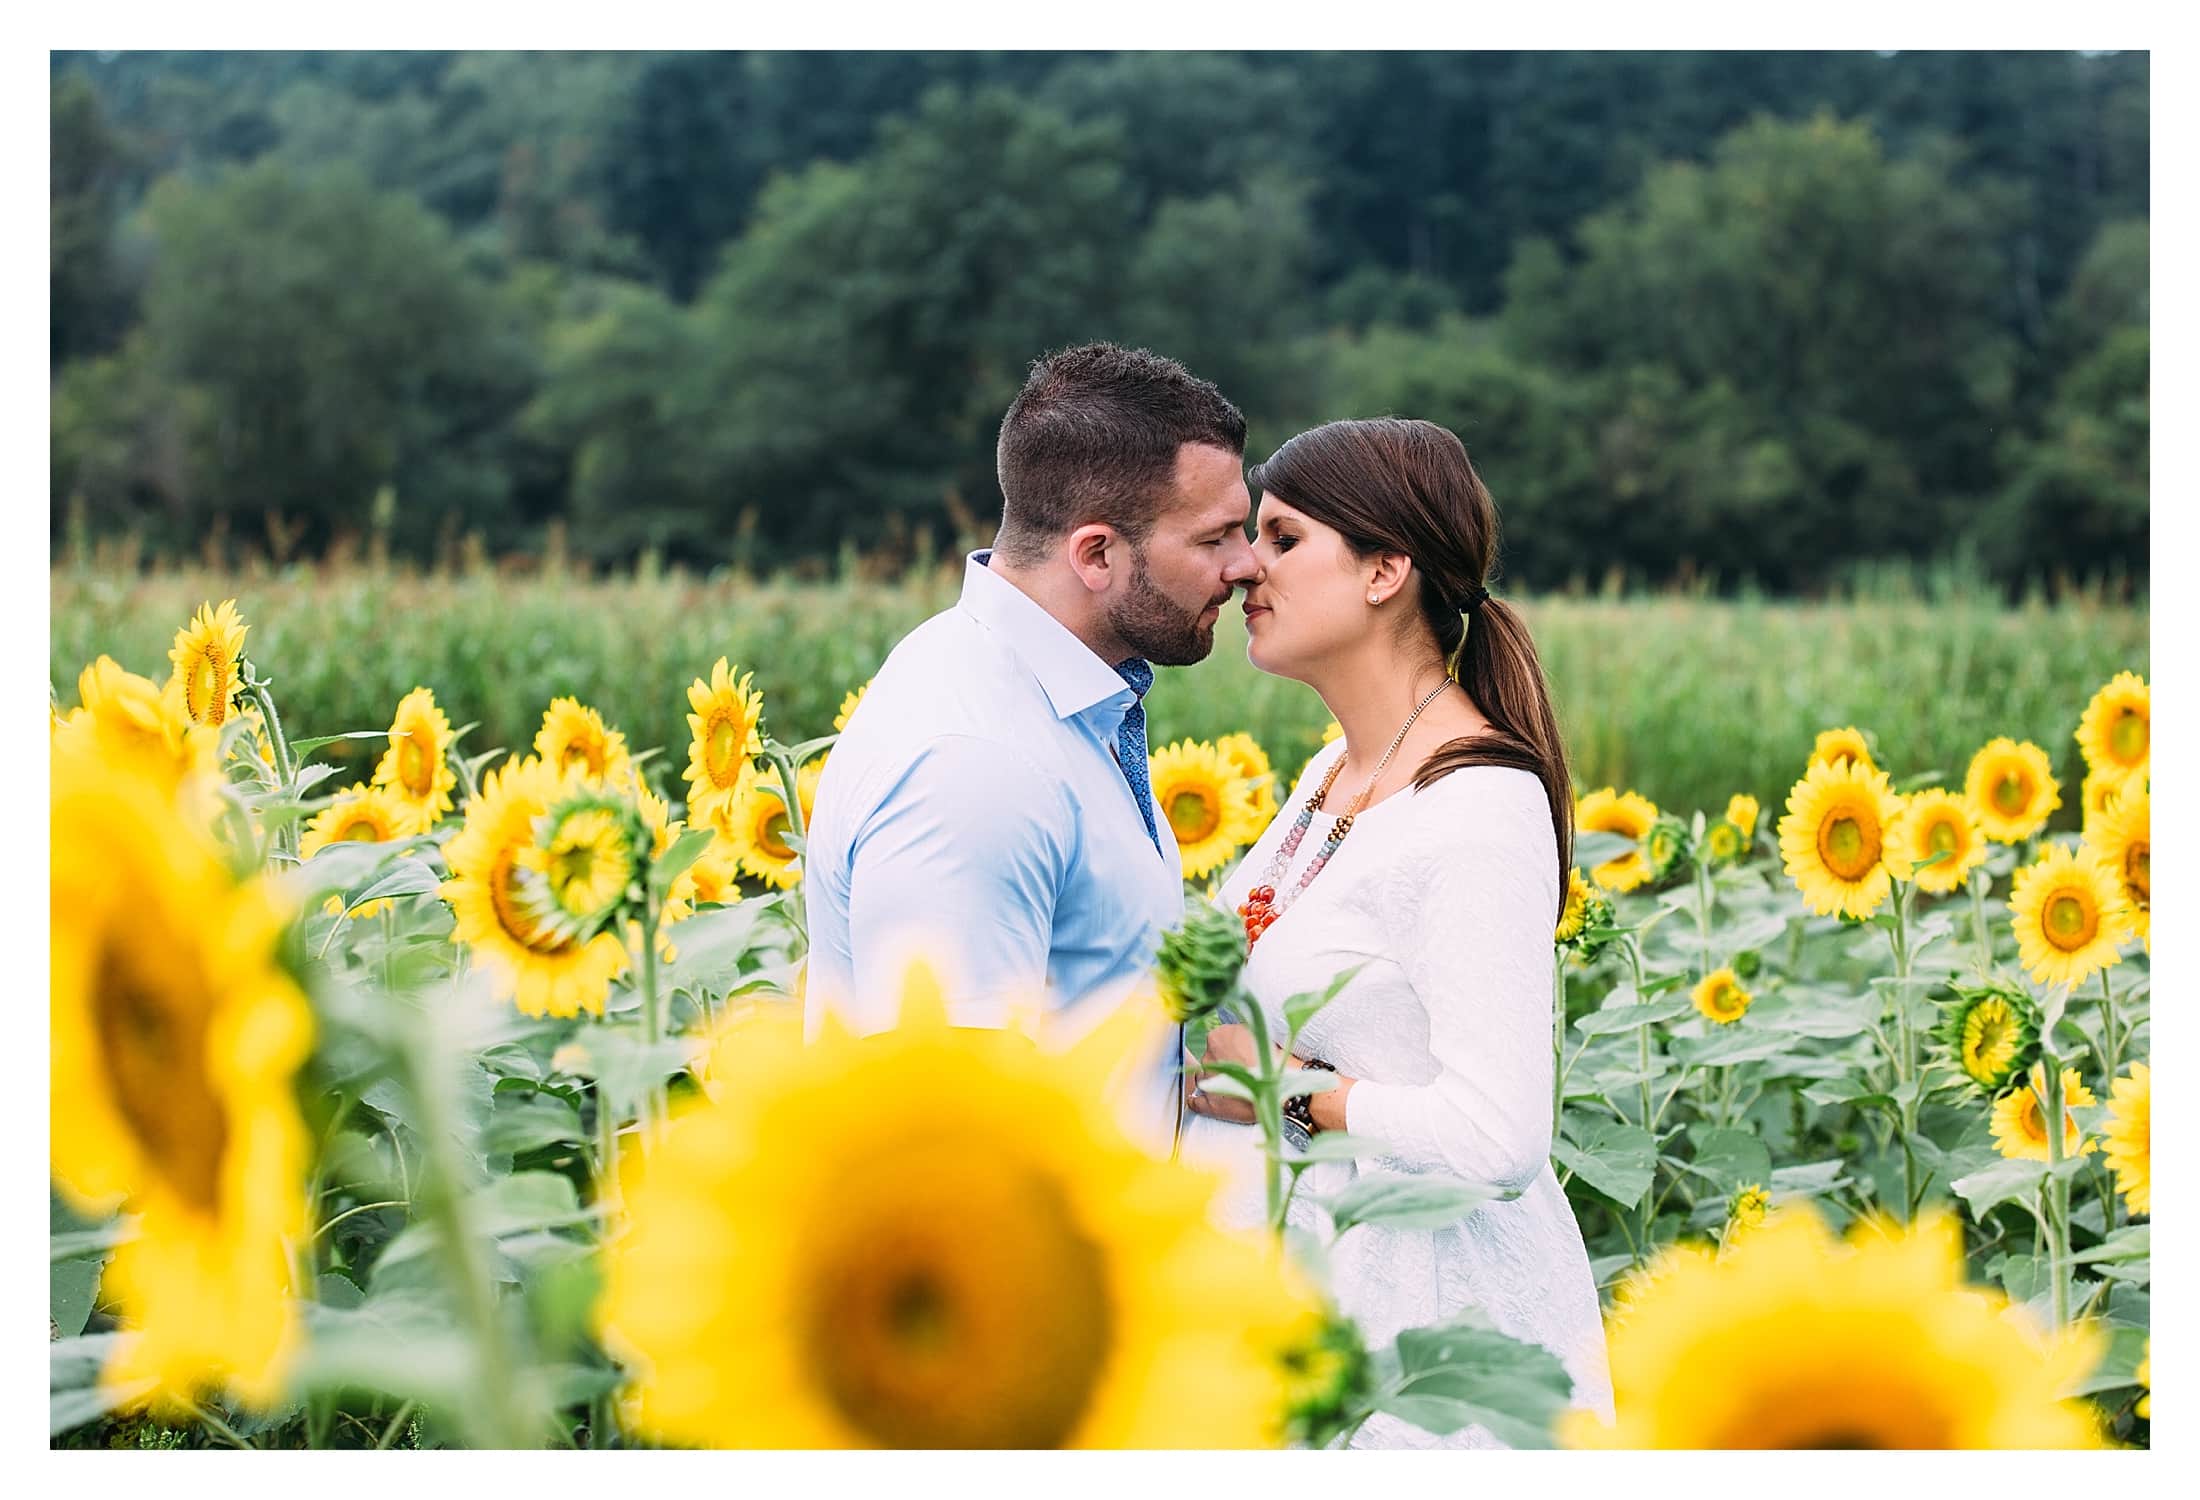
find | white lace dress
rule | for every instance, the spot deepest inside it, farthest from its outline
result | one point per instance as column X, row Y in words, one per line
column 1449, row 897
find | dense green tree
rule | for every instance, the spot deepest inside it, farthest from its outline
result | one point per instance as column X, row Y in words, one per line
column 90, row 298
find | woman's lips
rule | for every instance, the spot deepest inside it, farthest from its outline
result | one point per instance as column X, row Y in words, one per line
column 1255, row 609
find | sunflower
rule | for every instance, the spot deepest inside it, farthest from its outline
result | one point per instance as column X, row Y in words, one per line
column 1628, row 814
column 724, row 725
column 1833, row 838
column 2014, row 789
column 715, row 877
column 2118, row 843
column 2020, row 1119
column 1667, row 846
column 1722, row 842
column 2115, row 732
column 543, row 970
column 1746, row 1210
column 759, row 828
column 1720, row 998
column 1741, row 811
column 1575, row 917
column 937, row 1237
column 848, row 707
column 417, row 764
column 2069, row 917
column 254, row 734
column 584, row 863
column 176, row 1038
column 2130, row 1153
column 1332, row 731
column 1937, row 822
column 1207, row 803
column 573, row 734
column 205, row 656
column 1988, row 1035
column 1795, row 1340
column 1328, row 1378
column 361, row 814
column 2145, row 1376
column 132, row 720
column 1844, row 746
column 1634, row 1288
column 1246, row 758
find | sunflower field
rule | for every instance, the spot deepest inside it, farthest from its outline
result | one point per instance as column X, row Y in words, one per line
column 460, row 1098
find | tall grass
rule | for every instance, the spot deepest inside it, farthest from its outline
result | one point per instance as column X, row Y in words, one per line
column 1687, row 699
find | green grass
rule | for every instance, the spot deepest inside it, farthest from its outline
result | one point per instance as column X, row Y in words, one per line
column 1685, row 699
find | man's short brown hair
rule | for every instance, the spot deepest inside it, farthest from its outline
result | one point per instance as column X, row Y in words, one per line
column 1093, row 437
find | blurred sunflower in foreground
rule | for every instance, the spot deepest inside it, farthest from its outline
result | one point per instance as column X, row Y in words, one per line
column 1793, row 1339
column 177, row 1034
column 937, row 1237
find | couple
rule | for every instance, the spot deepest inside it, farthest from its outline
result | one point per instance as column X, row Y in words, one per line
column 991, row 790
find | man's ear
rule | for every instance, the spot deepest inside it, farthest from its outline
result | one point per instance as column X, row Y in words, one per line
column 1097, row 553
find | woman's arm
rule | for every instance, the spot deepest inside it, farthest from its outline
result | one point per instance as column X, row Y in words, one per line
column 1470, row 920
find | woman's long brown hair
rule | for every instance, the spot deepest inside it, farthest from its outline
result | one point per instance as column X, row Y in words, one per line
column 1387, row 484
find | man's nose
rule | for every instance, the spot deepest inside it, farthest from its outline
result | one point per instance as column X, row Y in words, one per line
column 1241, row 564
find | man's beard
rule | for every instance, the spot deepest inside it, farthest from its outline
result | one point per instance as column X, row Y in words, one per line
column 1156, row 626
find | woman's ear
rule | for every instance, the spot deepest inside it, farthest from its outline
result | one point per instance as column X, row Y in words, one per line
column 1392, row 572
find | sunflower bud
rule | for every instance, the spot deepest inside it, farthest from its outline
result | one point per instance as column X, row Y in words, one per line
column 1585, row 925
column 1666, row 846
column 1747, row 963
column 1327, row 1377
column 1198, row 961
column 1989, row 1035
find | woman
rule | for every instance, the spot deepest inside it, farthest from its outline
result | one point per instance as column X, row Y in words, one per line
column 1443, row 882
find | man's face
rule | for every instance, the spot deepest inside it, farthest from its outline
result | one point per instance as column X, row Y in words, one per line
column 1193, row 558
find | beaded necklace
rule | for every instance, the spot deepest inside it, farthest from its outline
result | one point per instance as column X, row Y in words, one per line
column 1260, row 907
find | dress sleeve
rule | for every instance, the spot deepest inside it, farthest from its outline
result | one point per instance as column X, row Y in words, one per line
column 1471, row 913
column 962, row 863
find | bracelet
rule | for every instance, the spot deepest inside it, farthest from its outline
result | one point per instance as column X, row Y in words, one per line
column 1299, row 1109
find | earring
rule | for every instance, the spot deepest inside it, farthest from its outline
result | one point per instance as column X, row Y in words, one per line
column 1373, row 599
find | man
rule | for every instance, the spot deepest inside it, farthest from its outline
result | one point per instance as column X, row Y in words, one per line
column 988, row 804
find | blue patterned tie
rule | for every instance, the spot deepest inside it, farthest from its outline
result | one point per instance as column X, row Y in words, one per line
column 1130, row 740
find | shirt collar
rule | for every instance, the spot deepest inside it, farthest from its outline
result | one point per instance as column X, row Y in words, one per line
column 1074, row 677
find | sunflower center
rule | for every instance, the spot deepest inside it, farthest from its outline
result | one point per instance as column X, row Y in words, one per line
column 2013, row 792
column 772, row 837
column 585, row 755
column 508, row 899
column 205, row 691
column 955, row 1302
column 1848, row 846
column 2071, row 921
column 1988, row 1039
column 2136, row 872
column 1195, row 816
column 154, row 1053
column 722, row 750
column 1724, row 839
column 587, row 863
column 414, row 768
column 1942, row 838
column 1842, row 1407
column 2031, row 1120
column 363, row 830
column 2127, row 738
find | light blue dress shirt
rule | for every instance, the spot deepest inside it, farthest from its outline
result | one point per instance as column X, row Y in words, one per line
column 973, row 811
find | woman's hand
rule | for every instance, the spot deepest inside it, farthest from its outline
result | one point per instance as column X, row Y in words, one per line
column 1226, row 1044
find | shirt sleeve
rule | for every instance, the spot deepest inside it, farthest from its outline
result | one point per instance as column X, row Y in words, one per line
column 962, row 863
column 1471, row 925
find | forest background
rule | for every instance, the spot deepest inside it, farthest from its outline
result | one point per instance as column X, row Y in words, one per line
column 1714, row 319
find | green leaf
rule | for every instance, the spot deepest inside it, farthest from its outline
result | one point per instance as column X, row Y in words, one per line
column 406, row 877
column 1728, row 1159
column 1419, row 1201
column 1617, row 1160
column 76, row 1394
column 1738, row 1042
column 1308, row 1081
column 304, row 747
column 1225, row 1087
column 2132, row 1242
column 2119, row 1366
column 525, row 1122
column 685, row 851
column 1465, row 1372
column 1599, row 848
column 1303, row 1007
column 2000, row 1182
column 1338, row 1145
column 1633, row 1015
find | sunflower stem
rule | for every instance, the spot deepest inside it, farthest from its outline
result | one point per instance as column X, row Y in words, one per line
column 2057, row 1189
column 653, row 1021
column 286, row 838
column 1979, row 881
column 499, row 1422
column 1268, row 1111
column 2115, row 1050
column 1906, row 1063
column 1558, row 1039
column 796, row 905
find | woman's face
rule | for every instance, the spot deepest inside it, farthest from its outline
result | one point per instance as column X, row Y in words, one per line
column 1309, row 599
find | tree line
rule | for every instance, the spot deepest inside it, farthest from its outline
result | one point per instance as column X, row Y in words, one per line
column 1755, row 315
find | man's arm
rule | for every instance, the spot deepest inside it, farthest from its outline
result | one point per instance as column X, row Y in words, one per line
column 962, row 863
